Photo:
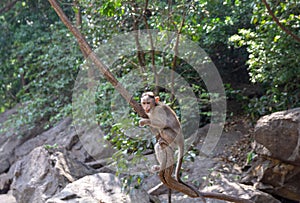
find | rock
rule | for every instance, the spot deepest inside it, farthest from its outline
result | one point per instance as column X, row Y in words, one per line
column 101, row 187
column 5, row 182
column 40, row 175
column 62, row 135
column 10, row 139
column 8, row 143
column 279, row 133
column 7, row 198
column 275, row 177
column 6, row 179
column 92, row 139
column 4, row 165
column 223, row 184
column 277, row 169
column 83, row 145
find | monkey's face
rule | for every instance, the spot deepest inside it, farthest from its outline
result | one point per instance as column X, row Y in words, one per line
column 148, row 103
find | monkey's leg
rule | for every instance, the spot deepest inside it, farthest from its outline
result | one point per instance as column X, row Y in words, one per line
column 164, row 155
column 169, row 135
column 161, row 156
column 158, row 154
column 175, row 140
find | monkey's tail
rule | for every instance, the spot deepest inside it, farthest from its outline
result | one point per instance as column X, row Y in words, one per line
column 177, row 173
column 179, row 162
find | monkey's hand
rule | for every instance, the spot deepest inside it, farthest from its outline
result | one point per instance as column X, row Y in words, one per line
column 155, row 168
column 144, row 122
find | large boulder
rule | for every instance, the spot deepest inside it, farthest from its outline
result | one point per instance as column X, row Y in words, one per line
column 11, row 138
column 279, row 133
column 63, row 135
column 278, row 178
column 101, row 187
column 277, row 168
column 7, row 198
column 85, row 144
column 40, row 175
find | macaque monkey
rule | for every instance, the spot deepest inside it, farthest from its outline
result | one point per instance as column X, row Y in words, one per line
column 168, row 133
column 163, row 119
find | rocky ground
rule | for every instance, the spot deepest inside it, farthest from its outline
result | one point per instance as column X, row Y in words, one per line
column 54, row 166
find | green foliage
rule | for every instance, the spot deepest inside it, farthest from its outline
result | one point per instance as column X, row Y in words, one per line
column 132, row 181
column 250, row 156
column 109, row 7
column 40, row 62
column 273, row 56
column 49, row 147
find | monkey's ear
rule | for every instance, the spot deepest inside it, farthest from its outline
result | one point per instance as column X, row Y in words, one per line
column 156, row 99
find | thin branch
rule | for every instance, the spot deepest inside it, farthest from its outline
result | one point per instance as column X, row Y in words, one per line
column 77, row 14
column 8, row 6
column 140, row 53
column 152, row 50
column 175, row 58
column 286, row 30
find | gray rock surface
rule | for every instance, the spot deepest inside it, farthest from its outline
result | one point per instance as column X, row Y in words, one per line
column 279, row 133
column 100, row 187
column 11, row 139
column 40, row 175
column 277, row 169
column 57, row 165
column 7, row 198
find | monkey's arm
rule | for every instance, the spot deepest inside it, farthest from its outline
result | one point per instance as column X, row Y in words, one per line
column 155, row 123
column 144, row 122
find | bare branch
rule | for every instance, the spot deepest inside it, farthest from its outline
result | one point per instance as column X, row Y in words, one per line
column 87, row 51
column 286, row 30
column 77, row 14
column 152, row 50
column 175, row 57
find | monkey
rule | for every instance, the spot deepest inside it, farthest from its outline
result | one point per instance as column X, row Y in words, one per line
column 168, row 133
column 163, row 119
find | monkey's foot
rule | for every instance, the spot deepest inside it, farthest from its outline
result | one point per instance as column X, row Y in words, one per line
column 155, row 168
column 162, row 142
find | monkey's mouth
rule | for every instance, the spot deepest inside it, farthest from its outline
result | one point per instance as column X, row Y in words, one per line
column 147, row 111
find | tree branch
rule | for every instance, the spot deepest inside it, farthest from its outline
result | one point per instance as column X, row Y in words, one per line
column 77, row 14
column 287, row 31
column 156, row 90
column 175, row 58
column 140, row 53
column 8, row 6
column 87, row 51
